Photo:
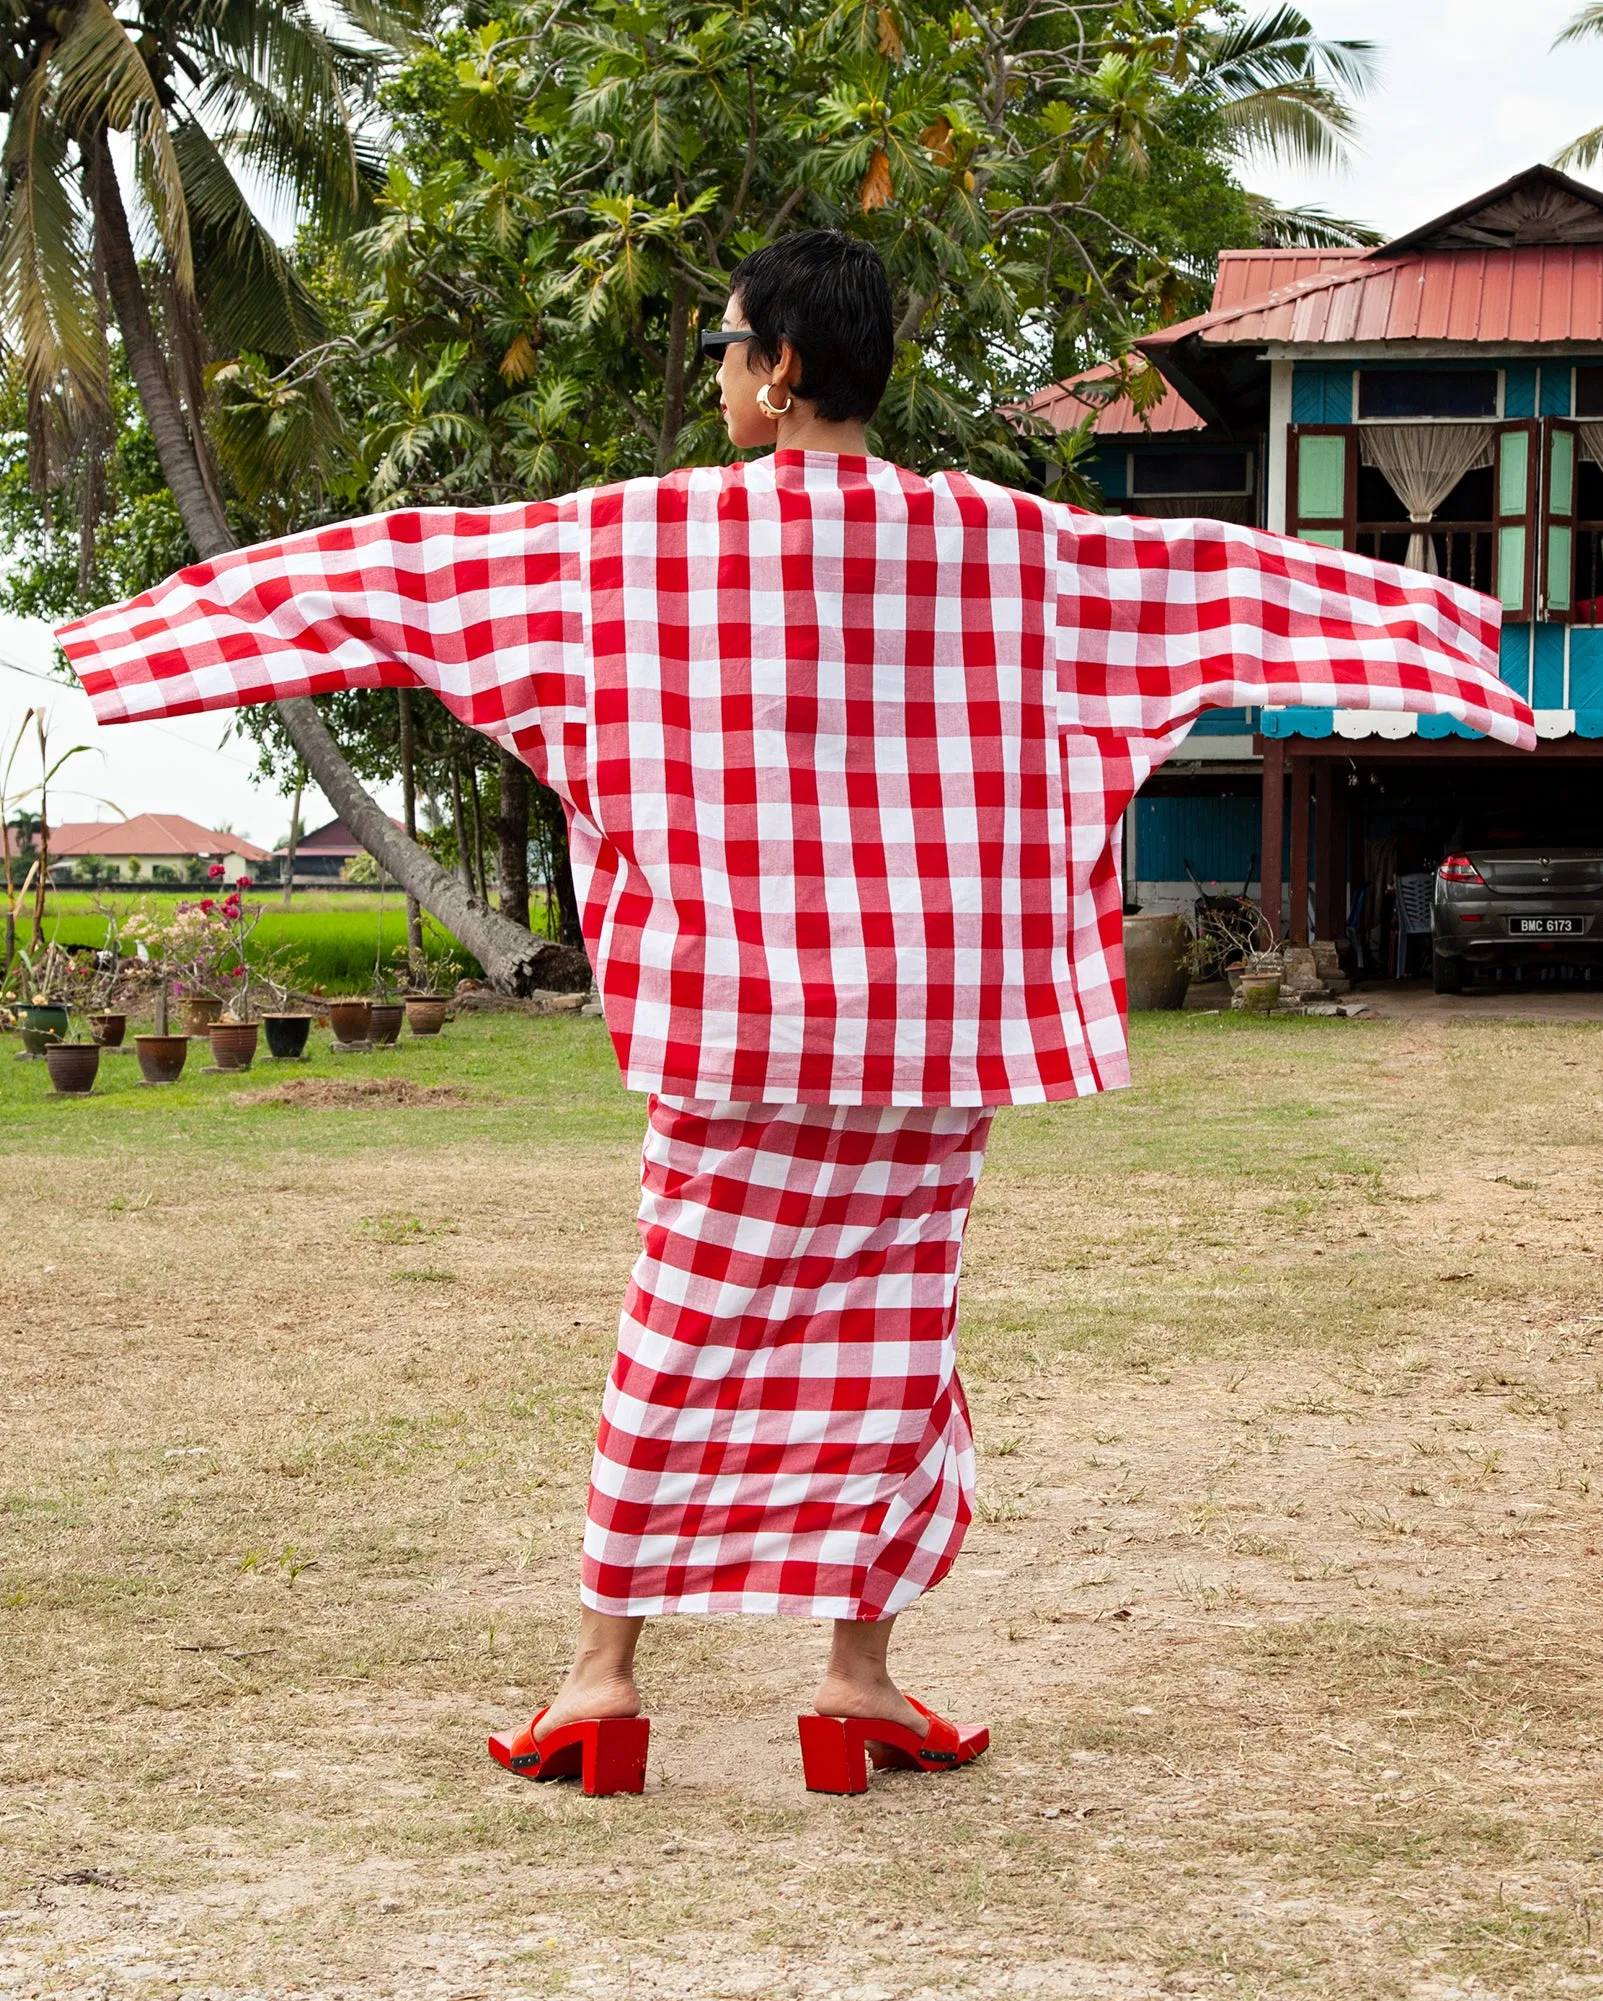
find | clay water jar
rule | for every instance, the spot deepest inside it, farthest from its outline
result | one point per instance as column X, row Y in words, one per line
column 73, row 1066
column 425, row 1013
column 1156, row 972
column 233, row 1044
column 161, row 1057
column 108, row 1029
column 350, row 1019
column 385, row 1018
column 42, row 1025
column 286, row 1034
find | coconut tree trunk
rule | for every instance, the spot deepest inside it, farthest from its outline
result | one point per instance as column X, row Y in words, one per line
column 512, row 839
column 509, row 954
column 476, row 820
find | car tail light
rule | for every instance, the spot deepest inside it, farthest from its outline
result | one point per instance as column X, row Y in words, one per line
column 1459, row 868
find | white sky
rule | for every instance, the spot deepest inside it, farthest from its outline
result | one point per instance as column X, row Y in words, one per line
column 1471, row 91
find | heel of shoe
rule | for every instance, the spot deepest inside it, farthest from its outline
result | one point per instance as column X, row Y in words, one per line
column 832, row 1755
column 615, row 1751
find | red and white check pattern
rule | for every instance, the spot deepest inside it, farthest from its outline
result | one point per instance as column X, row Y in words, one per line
column 843, row 749
column 783, row 1429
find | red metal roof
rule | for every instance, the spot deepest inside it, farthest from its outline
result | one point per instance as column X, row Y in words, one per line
column 1533, row 296
column 1063, row 407
column 1248, row 274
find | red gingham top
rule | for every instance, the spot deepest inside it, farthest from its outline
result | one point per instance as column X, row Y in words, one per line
column 843, row 749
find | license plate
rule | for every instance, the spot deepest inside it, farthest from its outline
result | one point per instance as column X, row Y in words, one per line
column 1546, row 927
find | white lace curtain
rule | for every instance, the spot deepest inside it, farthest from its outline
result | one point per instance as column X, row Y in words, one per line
column 1423, row 463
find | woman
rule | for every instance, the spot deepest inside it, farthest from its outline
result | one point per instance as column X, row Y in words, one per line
column 843, row 751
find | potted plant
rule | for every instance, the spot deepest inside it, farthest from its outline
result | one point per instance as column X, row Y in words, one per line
column 161, row 1055
column 428, row 988
column 73, row 1067
column 45, row 1014
column 1259, row 988
column 234, row 1033
column 351, row 1016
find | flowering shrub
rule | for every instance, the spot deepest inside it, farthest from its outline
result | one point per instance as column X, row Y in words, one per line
column 203, row 948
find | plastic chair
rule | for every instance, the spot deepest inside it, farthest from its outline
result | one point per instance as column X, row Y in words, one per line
column 1414, row 893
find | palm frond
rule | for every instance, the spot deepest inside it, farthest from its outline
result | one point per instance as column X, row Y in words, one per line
column 252, row 299
column 1297, row 124
column 1309, row 227
column 1589, row 21
column 47, row 288
column 1582, row 152
column 101, row 78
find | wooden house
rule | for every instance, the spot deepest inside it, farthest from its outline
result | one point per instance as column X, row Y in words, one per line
column 1436, row 402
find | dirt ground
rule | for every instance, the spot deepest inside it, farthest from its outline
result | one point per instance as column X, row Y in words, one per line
column 1283, row 1603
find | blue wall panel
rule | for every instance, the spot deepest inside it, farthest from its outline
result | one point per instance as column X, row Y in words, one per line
column 1514, row 659
column 1586, row 667
column 1225, row 722
column 1321, row 394
column 1519, row 389
column 1555, row 393
column 1109, row 467
column 1547, row 676
column 1219, row 837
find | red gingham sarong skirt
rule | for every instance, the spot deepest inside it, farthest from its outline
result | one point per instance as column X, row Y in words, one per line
column 783, row 1429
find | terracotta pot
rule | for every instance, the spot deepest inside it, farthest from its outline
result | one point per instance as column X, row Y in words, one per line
column 286, row 1034
column 41, row 1026
column 1155, row 954
column 199, row 1013
column 73, row 1066
column 233, row 1044
column 1260, row 992
column 161, row 1057
column 425, row 1013
column 108, row 1029
column 350, row 1019
column 386, row 1019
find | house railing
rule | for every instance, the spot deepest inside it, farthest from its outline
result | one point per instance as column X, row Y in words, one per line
column 1465, row 550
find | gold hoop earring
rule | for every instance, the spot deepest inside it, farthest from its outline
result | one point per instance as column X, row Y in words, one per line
column 767, row 407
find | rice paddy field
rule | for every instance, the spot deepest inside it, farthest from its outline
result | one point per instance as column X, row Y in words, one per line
column 334, row 936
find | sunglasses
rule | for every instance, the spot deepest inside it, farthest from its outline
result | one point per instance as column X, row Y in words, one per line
column 715, row 343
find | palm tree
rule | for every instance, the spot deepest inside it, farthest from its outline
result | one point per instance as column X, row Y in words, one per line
column 205, row 98
column 1588, row 149
column 1287, row 95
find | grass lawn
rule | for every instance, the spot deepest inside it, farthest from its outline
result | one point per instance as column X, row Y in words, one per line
column 1287, row 1373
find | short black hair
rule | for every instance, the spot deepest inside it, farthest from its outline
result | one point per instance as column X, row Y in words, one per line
column 828, row 295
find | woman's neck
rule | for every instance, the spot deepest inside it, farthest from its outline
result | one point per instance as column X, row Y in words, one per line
column 802, row 430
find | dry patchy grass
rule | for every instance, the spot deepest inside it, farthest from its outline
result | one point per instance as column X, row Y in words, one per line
column 1282, row 1602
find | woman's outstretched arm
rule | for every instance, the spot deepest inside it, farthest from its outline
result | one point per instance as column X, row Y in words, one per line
column 479, row 606
column 1159, row 620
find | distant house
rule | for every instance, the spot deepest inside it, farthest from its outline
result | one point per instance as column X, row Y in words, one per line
column 322, row 853
column 151, row 847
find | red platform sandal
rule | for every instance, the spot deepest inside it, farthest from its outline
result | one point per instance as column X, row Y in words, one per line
column 836, row 1749
column 607, row 1755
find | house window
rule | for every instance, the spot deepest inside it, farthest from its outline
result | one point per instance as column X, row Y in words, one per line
column 1393, row 393
column 1589, row 392
column 1201, row 473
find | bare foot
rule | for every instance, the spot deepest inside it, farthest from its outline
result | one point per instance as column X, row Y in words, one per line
column 587, row 1698
column 878, row 1700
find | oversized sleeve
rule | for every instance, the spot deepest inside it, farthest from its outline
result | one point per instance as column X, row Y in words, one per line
column 1159, row 620
column 483, row 608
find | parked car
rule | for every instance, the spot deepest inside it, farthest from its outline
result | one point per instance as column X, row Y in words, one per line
column 1499, row 907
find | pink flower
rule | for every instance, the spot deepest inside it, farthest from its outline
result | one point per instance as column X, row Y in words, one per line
column 216, row 870
column 208, row 904
column 242, row 882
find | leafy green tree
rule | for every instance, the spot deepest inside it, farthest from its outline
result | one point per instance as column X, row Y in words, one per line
column 1585, row 25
